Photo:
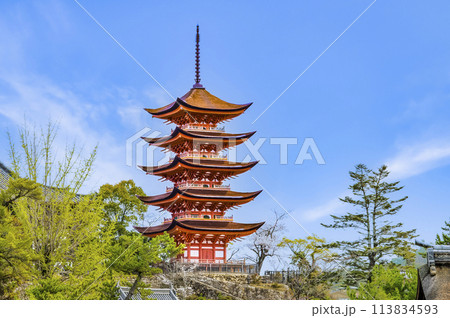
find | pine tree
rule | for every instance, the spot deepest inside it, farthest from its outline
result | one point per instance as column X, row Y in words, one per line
column 137, row 255
column 444, row 238
column 379, row 237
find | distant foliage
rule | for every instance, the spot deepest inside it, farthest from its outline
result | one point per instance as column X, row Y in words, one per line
column 314, row 266
column 388, row 282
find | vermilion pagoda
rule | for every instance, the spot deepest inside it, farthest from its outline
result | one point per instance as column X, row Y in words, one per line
column 199, row 200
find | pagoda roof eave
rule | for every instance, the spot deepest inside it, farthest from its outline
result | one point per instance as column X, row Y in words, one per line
column 209, row 226
column 196, row 194
column 199, row 100
column 205, row 136
column 177, row 160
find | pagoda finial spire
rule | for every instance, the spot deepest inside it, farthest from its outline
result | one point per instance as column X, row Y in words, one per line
column 197, row 60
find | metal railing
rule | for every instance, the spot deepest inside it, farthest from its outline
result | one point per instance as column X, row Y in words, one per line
column 218, row 266
column 281, row 276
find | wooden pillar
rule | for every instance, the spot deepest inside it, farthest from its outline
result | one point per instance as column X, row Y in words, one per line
column 224, row 252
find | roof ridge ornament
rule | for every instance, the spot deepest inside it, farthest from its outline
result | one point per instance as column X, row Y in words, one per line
column 197, row 60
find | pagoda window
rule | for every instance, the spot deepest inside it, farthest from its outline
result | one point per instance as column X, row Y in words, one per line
column 219, row 253
column 206, row 217
column 194, row 253
column 205, row 186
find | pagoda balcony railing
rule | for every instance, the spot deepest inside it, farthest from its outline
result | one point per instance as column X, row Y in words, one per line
column 197, row 155
column 212, row 261
column 190, row 217
column 196, row 127
column 186, row 185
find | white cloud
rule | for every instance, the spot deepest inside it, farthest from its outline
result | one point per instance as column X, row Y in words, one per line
column 419, row 158
column 409, row 161
column 333, row 206
column 41, row 100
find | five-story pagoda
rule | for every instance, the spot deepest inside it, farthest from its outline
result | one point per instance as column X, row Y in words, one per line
column 198, row 200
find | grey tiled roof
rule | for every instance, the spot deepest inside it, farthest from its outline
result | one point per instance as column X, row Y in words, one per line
column 157, row 294
column 434, row 276
column 5, row 174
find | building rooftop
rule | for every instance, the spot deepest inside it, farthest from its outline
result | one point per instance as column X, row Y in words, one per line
column 5, row 174
column 157, row 294
column 433, row 278
column 435, row 286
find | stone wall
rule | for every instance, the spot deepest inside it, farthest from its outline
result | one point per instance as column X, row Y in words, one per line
column 221, row 285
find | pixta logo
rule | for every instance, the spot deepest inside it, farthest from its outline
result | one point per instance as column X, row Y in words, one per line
column 141, row 150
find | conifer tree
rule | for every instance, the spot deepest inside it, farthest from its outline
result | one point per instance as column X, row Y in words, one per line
column 373, row 205
column 137, row 255
column 444, row 238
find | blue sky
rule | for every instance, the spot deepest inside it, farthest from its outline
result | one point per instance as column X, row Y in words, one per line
column 379, row 95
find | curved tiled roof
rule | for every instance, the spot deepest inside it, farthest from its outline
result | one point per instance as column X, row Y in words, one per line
column 200, row 99
column 200, row 164
column 202, row 226
column 432, row 287
column 214, row 194
column 199, row 135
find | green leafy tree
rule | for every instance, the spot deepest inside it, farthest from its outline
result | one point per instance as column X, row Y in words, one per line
column 388, row 282
column 109, row 290
column 313, row 263
column 16, row 253
column 444, row 238
column 379, row 237
column 68, row 231
column 122, row 207
column 137, row 255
